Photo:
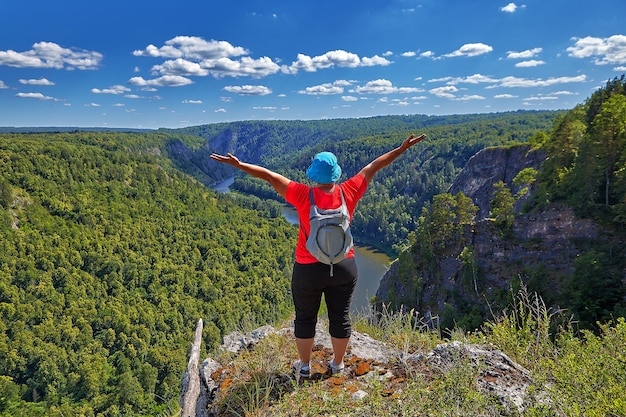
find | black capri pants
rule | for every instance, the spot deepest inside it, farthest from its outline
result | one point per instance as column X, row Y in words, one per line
column 309, row 282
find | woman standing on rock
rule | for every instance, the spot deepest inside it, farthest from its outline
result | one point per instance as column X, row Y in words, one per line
column 311, row 279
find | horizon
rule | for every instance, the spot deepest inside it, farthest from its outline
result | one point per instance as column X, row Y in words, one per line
column 151, row 65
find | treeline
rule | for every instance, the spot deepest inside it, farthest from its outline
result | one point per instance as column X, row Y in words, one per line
column 393, row 203
column 108, row 257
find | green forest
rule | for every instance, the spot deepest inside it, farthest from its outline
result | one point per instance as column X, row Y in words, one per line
column 389, row 210
column 108, row 257
column 112, row 246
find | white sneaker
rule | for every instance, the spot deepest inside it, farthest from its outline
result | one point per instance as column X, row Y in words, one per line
column 301, row 369
column 335, row 368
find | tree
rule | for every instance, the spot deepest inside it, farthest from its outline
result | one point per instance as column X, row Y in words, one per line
column 502, row 207
column 608, row 135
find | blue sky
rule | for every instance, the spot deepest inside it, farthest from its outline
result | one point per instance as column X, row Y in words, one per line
column 151, row 64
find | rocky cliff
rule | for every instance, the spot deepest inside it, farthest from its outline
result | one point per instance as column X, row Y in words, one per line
column 541, row 248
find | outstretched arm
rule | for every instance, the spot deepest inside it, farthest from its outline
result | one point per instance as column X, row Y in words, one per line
column 382, row 161
column 277, row 181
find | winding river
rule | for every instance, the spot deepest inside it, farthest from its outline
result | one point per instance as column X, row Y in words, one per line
column 372, row 264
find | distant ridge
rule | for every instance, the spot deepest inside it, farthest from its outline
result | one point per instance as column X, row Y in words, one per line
column 61, row 129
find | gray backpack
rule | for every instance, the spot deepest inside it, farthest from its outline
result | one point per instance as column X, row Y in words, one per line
column 330, row 238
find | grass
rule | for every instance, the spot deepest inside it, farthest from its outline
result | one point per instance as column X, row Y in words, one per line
column 574, row 374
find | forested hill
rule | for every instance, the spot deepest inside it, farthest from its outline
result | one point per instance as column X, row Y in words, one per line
column 393, row 203
column 110, row 251
column 108, row 257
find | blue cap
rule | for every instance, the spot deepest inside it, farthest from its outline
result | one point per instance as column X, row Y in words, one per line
column 324, row 168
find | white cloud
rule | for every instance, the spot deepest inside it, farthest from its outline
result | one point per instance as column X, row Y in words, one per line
column 382, row 86
column 528, row 64
column 620, row 68
column 164, row 81
column 611, row 50
column 427, row 54
column 3, row 85
column 409, row 54
column 469, row 98
column 37, row 96
column 247, row 66
column 444, row 92
column 248, row 90
column 220, row 111
column 323, row 89
column 181, row 67
column 504, row 96
column 375, row 60
column 509, row 81
column 529, row 53
column 41, row 81
column 192, row 47
column 472, row 79
column 115, row 89
column 349, row 98
column 92, row 105
column 193, row 56
column 523, row 82
column 337, row 58
column 470, row 50
column 509, row 8
column 192, row 101
column 51, row 55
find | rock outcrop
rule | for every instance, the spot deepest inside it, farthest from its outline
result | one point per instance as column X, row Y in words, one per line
column 491, row 165
column 367, row 358
column 544, row 242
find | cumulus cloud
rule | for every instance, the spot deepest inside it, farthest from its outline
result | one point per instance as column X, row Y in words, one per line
column 192, row 47
column 41, row 81
column 51, row 55
column 510, row 8
column 115, row 89
column 530, row 63
column 523, row 82
column 248, row 90
column 192, row 101
column 529, row 53
column 509, row 81
column 37, row 96
column 180, row 67
column 382, row 86
column 191, row 56
column 164, row 81
column 448, row 91
column 3, row 85
column 611, row 50
column 246, row 66
column 337, row 58
column 471, row 79
column 470, row 50
column 336, row 87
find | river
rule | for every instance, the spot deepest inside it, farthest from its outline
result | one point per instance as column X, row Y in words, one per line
column 372, row 264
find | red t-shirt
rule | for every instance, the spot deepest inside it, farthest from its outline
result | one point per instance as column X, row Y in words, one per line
column 298, row 196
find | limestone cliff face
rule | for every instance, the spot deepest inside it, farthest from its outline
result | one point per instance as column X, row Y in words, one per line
column 543, row 243
column 491, row 165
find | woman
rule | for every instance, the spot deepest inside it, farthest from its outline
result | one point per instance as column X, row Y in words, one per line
column 311, row 278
